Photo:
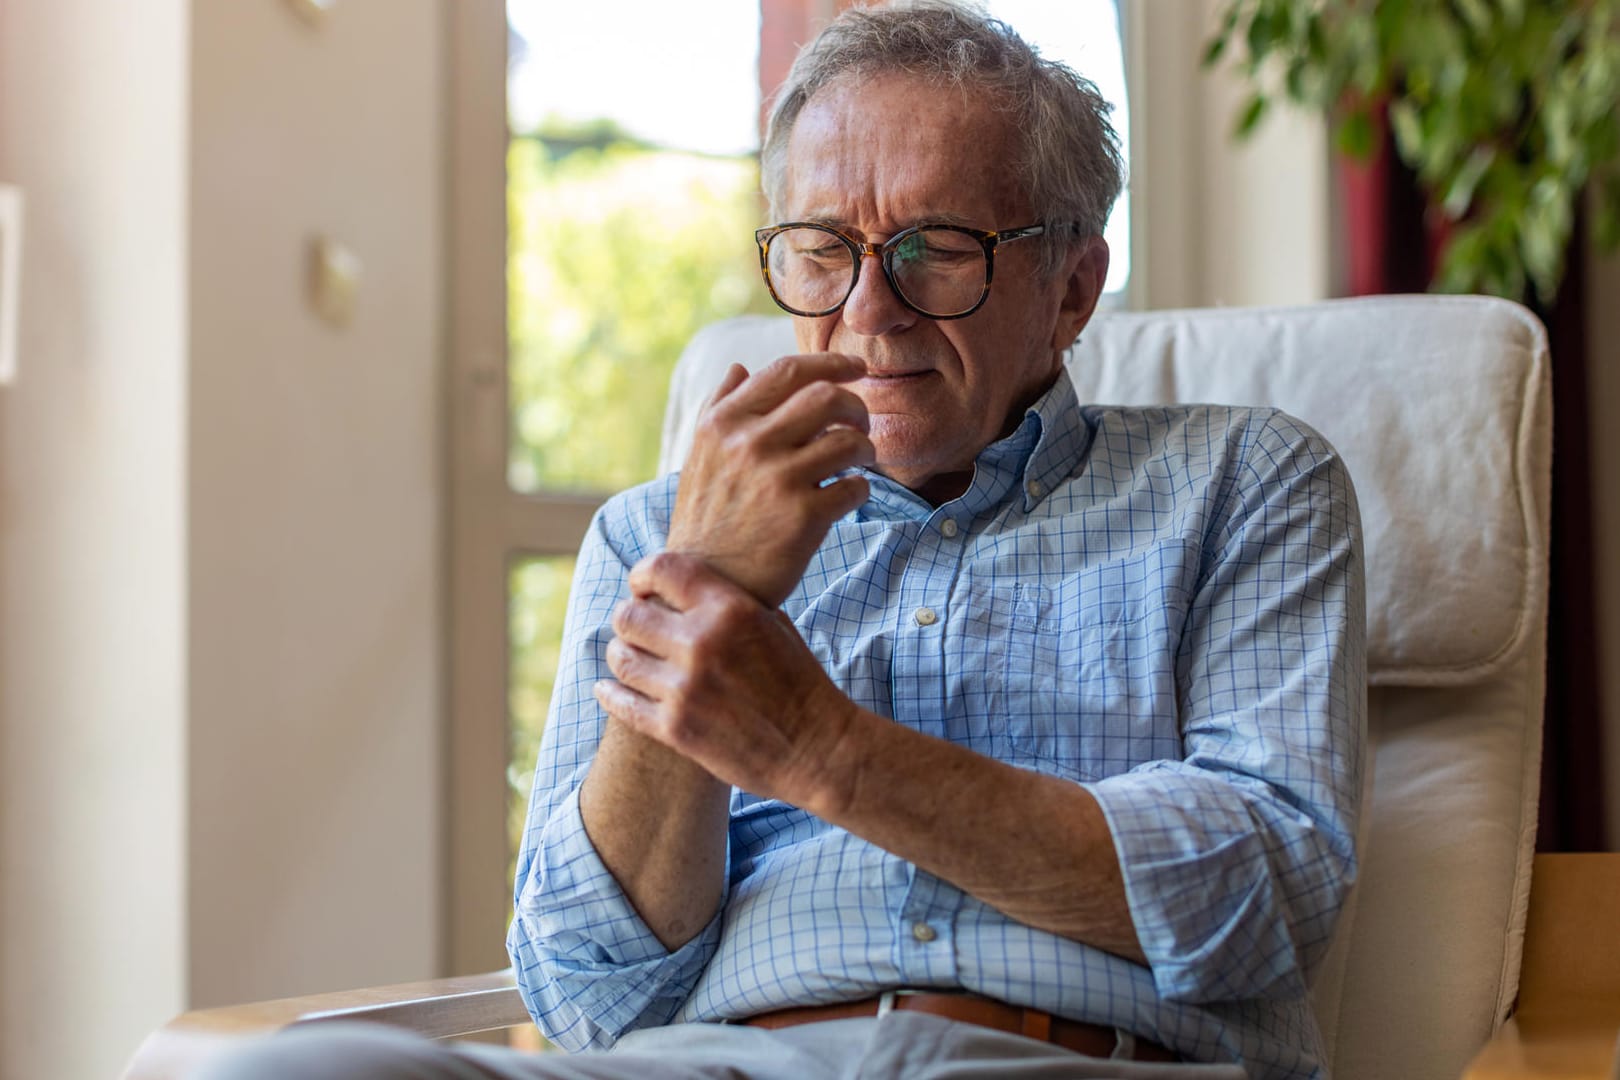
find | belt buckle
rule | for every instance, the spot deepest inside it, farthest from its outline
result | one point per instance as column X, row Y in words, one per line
column 886, row 1000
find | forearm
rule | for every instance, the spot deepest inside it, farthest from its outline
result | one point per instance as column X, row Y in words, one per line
column 1035, row 847
column 658, row 823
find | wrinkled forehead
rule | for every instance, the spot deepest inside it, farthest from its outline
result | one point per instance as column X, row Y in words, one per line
column 899, row 147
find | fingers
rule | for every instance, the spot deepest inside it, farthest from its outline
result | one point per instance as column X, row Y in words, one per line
column 812, row 410
column 773, row 384
column 839, row 449
column 637, row 711
column 641, row 671
column 843, row 495
column 679, row 580
column 735, row 376
column 646, row 622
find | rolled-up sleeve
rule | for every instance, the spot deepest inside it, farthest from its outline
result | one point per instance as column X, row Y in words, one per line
column 587, row 965
column 1237, row 858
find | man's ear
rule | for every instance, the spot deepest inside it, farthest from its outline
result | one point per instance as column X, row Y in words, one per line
column 1084, row 272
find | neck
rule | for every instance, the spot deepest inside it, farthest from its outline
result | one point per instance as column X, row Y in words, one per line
column 942, row 488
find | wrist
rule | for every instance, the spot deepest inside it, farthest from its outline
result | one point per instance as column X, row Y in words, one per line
column 840, row 761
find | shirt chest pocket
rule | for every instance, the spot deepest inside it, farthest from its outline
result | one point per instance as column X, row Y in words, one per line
column 1079, row 669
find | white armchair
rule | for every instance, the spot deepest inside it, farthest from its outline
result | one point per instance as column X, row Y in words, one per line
column 1441, row 408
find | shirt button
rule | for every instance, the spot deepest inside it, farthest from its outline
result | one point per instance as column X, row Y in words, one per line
column 925, row 616
column 947, row 528
column 1034, row 488
column 923, row 932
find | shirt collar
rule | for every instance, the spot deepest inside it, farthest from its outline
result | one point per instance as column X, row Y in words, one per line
column 1039, row 454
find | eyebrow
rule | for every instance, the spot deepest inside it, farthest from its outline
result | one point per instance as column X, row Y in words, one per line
column 943, row 218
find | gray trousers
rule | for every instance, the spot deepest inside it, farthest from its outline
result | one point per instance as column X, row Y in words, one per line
column 896, row 1046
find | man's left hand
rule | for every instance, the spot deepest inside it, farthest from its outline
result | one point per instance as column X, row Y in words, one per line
column 707, row 670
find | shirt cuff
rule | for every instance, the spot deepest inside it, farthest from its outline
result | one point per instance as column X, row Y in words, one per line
column 1198, row 880
column 590, row 967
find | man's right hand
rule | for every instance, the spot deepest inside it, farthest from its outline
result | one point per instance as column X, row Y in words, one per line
column 752, row 503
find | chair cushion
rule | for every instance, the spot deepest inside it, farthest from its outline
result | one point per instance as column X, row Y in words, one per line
column 1455, row 545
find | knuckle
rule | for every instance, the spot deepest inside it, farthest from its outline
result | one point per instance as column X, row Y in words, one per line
column 821, row 396
column 616, row 656
column 853, row 493
column 658, row 564
column 680, row 691
column 703, row 650
column 678, row 728
column 782, row 368
column 845, row 440
column 676, row 713
column 735, row 442
column 623, row 616
column 621, row 653
column 713, row 425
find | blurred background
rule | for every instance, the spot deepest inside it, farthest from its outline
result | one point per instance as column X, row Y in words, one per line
column 338, row 318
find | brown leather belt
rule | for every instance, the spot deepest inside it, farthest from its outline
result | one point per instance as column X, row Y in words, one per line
column 1092, row 1039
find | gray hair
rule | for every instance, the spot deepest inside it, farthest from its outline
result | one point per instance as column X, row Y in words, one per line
column 1069, row 160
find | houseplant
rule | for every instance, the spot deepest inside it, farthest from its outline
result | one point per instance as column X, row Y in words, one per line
column 1506, row 110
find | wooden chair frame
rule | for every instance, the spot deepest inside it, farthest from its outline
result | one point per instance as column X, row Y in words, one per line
column 1567, row 1024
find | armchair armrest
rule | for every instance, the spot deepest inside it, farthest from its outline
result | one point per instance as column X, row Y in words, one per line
column 1567, row 1023
column 438, row 1008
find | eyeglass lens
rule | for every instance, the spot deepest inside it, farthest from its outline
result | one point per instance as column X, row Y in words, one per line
column 939, row 271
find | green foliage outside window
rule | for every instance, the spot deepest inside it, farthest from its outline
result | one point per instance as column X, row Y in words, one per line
column 538, row 592
column 617, row 254
column 1507, row 110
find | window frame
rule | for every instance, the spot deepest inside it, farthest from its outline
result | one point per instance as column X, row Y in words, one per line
column 490, row 526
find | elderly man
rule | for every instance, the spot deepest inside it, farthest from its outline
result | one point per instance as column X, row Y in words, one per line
column 931, row 723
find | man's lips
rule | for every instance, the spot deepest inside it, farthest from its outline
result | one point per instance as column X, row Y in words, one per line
column 895, row 376
column 893, row 391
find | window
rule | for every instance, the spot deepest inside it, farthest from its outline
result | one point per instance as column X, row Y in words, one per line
column 630, row 222
column 628, row 226
column 1085, row 34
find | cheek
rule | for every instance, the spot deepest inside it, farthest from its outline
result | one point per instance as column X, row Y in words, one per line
column 813, row 335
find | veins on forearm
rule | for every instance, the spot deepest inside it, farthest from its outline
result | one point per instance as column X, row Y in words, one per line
column 1035, row 847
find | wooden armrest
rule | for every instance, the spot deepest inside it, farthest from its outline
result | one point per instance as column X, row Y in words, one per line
column 1567, row 1023
column 438, row 1008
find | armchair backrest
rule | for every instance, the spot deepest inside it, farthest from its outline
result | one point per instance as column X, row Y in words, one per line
column 1441, row 407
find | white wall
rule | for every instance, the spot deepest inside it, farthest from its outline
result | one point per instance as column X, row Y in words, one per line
column 93, row 497
column 1218, row 222
column 315, row 574
column 220, row 537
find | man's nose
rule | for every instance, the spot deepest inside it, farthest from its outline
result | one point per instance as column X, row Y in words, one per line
column 873, row 308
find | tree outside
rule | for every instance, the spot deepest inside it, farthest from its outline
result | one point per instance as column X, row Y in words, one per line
column 618, row 252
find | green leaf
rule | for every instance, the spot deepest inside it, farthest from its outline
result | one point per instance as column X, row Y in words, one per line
column 1316, row 42
column 1544, row 233
column 1408, row 129
column 1356, row 136
column 1253, row 112
column 1460, row 193
column 1478, row 16
column 1294, row 81
column 1264, row 30
column 1557, row 124
column 1214, row 50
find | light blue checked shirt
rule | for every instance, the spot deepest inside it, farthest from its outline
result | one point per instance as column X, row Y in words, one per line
column 1164, row 605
